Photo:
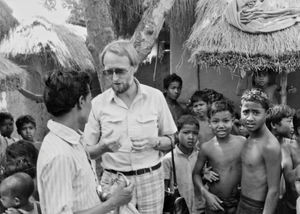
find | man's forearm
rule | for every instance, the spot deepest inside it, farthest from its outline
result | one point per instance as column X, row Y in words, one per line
column 271, row 202
column 95, row 151
column 165, row 143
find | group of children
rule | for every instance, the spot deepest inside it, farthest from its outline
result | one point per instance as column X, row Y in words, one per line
column 229, row 162
column 18, row 192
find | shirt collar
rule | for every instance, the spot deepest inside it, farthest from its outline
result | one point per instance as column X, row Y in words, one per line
column 141, row 91
column 179, row 152
column 64, row 132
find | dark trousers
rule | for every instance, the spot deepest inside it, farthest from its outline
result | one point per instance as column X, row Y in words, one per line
column 250, row 206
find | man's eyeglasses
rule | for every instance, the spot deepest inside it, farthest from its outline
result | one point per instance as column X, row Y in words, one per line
column 117, row 71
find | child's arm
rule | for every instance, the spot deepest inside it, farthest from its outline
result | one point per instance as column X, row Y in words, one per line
column 212, row 200
column 167, row 167
column 288, row 171
column 297, row 185
column 272, row 157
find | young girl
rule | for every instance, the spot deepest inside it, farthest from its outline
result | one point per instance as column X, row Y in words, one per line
column 264, row 79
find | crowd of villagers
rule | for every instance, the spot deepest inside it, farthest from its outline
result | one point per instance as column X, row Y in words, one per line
column 223, row 156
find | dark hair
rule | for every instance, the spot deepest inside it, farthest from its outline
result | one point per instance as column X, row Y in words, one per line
column 277, row 112
column 265, row 72
column 19, row 185
column 187, row 119
column 21, row 157
column 63, row 90
column 206, row 95
column 221, row 105
column 5, row 116
column 257, row 96
column 24, row 119
column 296, row 121
column 171, row 78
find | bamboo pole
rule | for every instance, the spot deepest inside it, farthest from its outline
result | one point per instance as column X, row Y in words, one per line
column 283, row 85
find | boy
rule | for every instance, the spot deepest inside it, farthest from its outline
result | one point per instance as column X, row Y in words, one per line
column 7, row 126
column 26, row 127
column 223, row 154
column 172, row 90
column 15, row 192
column 280, row 123
column 185, row 156
column 261, row 158
column 291, row 165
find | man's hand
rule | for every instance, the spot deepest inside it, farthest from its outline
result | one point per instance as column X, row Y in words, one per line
column 121, row 195
column 110, row 142
column 209, row 175
column 142, row 144
column 213, row 202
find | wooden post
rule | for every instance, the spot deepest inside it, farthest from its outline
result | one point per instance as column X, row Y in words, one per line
column 283, row 85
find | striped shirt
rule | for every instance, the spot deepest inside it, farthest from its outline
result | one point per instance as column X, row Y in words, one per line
column 147, row 116
column 66, row 182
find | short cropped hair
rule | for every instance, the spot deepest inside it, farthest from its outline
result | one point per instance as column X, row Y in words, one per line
column 19, row 185
column 171, row 78
column 63, row 90
column 121, row 48
column 257, row 96
column 296, row 121
column 206, row 95
column 5, row 116
column 24, row 119
column 21, row 157
column 277, row 112
column 187, row 119
column 221, row 105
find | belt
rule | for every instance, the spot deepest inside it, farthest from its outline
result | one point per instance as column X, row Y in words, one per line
column 136, row 172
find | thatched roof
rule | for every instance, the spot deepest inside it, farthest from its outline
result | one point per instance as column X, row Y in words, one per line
column 214, row 42
column 7, row 21
column 11, row 75
column 61, row 45
column 126, row 15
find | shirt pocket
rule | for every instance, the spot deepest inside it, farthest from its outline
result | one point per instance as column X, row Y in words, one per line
column 146, row 126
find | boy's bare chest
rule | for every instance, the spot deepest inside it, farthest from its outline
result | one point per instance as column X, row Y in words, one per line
column 252, row 155
column 295, row 153
column 225, row 156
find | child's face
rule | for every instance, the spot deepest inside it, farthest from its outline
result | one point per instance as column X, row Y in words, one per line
column 261, row 79
column 27, row 131
column 221, row 123
column 7, row 128
column 243, row 130
column 253, row 115
column 174, row 90
column 200, row 108
column 188, row 136
column 6, row 199
column 285, row 128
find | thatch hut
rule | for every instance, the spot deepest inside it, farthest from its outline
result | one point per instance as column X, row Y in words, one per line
column 214, row 42
column 7, row 21
column 40, row 47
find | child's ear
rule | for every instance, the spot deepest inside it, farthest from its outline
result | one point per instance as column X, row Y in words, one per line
column 17, row 201
column 273, row 125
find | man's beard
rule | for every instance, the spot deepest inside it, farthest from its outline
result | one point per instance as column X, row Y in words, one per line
column 119, row 89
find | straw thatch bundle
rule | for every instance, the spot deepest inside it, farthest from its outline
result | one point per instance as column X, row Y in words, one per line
column 214, row 42
column 7, row 21
column 126, row 15
column 182, row 17
column 58, row 45
column 11, row 75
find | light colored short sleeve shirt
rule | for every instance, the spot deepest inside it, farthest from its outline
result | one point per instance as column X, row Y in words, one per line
column 184, row 165
column 66, row 182
column 148, row 116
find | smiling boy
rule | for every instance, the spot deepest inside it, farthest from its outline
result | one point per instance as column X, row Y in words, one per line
column 261, row 158
column 223, row 154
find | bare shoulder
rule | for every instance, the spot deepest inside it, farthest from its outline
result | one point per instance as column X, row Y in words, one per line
column 207, row 146
column 238, row 139
column 271, row 147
